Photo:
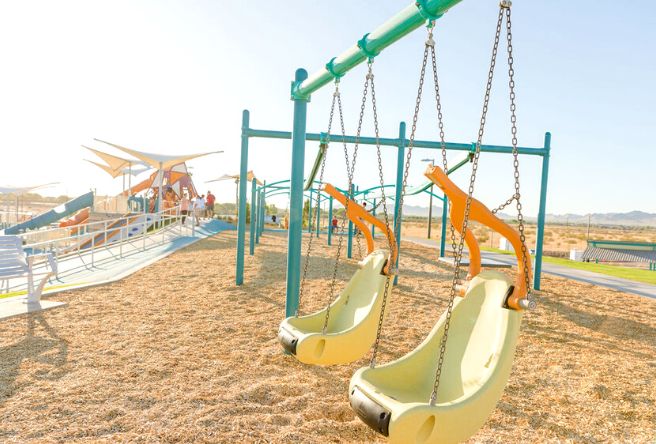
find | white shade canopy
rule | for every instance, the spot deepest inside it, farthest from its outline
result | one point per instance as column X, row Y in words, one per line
column 22, row 190
column 115, row 163
column 250, row 176
column 118, row 172
column 108, row 169
column 158, row 161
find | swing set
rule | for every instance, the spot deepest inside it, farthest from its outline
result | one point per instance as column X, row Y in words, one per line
column 434, row 393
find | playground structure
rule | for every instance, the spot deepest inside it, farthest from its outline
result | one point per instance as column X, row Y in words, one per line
column 486, row 307
column 369, row 195
column 296, row 208
column 142, row 359
column 92, row 232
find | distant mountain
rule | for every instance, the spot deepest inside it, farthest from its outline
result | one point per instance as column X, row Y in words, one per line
column 417, row 211
column 632, row 218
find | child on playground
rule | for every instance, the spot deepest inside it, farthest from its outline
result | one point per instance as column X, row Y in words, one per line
column 333, row 226
column 199, row 208
column 184, row 207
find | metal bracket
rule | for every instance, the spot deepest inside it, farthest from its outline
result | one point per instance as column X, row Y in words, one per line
column 425, row 13
column 362, row 44
column 330, row 67
column 294, row 92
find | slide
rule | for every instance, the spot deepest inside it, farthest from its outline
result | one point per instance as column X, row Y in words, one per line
column 80, row 217
column 135, row 227
column 52, row 216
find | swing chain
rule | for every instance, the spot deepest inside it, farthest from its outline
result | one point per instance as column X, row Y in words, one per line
column 430, row 42
column 513, row 121
column 336, row 95
column 510, row 200
column 399, row 216
column 472, row 180
column 383, row 198
column 350, row 168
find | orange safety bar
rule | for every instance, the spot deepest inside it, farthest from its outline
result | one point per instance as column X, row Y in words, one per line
column 480, row 213
column 358, row 215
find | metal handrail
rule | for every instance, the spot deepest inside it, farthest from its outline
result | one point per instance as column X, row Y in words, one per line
column 73, row 243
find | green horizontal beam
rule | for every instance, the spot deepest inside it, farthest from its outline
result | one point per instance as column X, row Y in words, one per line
column 405, row 21
column 269, row 134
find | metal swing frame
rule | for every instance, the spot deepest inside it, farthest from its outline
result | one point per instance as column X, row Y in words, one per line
column 414, row 16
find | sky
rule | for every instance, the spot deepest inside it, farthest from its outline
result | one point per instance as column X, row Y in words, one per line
column 174, row 76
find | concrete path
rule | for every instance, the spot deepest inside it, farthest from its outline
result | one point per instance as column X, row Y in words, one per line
column 108, row 264
column 603, row 280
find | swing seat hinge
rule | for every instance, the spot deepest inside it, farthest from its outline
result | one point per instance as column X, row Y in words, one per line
column 370, row 412
column 288, row 341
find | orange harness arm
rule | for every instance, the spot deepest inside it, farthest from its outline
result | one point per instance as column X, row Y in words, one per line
column 358, row 215
column 480, row 213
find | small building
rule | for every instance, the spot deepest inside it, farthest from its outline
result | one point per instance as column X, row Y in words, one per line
column 621, row 252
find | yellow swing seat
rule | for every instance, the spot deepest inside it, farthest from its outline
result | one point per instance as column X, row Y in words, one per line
column 394, row 398
column 351, row 326
column 354, row 314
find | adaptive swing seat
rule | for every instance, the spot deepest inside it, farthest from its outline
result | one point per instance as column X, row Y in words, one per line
column 354, row 314
column 394, row 399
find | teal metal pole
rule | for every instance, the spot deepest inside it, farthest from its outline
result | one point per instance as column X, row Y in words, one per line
column 349, row 244
column 310, row 212
column 405, row 21
column 318, row 213
column 383, row 141
column 400, row 163
column 241, row 221
column 445, row 212
column 260, row 216
column 263, row 215
column 295, row 233
column 251, row 236
column 258, row 224
column 263, row 207
column 373, row 227
column 330, row 220
column 537, row 269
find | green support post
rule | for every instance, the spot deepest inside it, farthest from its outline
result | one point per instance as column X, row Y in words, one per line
column 349, row 244
column 263, row 213
column 241, row 220
column 295, row 233
column 330, row 220
column 400, row 163
column 251, row 236
column 537, row 269
column 260, row 219
column 445, row 210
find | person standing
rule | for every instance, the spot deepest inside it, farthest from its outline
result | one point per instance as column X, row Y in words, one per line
column 199, row 208
column 209, row 204
column 184, row 207
column 334, row 224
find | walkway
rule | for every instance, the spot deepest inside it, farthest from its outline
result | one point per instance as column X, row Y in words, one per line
column 112, row 263
column 603, row 280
